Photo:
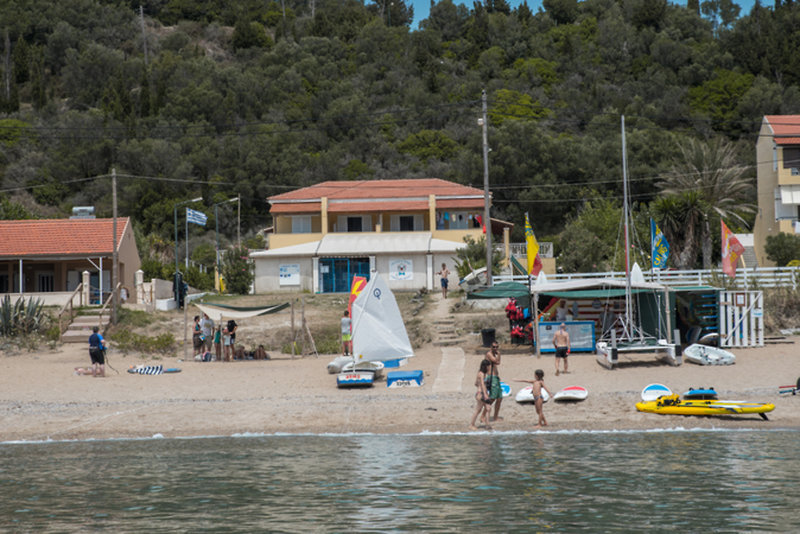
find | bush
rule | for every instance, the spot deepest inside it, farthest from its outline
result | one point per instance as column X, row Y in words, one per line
column 126, row 341
column 782, row 248
column 22, row 318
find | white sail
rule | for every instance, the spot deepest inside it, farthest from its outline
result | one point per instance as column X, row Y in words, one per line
column 379, row 333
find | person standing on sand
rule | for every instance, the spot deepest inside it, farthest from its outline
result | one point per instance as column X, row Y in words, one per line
column 538, row 401
column 97, row 347
column 444, row 273
column 347, row 336
column 495, row 392
column 197, row 338
column 561, row 343
column 482, row 400
column 207, row 328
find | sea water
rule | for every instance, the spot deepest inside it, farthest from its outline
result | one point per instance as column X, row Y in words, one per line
column 660, row 481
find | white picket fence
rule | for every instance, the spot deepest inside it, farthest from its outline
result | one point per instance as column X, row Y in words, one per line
column 746, row 279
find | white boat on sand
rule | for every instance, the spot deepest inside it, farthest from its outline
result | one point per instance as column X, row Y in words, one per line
column 705, row 355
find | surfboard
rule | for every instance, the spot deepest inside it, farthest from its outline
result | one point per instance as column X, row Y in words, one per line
column 652, row 392
column 571, row 393
column 152, row 370
column 506, row 389
column 526, row 395
column 700, row 394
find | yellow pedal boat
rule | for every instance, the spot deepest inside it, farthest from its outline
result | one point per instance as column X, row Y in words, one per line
column 674, row 405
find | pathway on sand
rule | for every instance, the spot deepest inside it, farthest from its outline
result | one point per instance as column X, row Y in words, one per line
column 451, row 369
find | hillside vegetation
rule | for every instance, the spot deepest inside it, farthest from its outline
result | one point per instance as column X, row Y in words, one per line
column 253, row 98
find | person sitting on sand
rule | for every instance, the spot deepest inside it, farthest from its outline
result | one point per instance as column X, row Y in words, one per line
column 260, row 353
column 538, row 401
column 482, row 400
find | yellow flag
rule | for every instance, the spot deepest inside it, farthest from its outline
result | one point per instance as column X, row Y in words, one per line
column 532, row 245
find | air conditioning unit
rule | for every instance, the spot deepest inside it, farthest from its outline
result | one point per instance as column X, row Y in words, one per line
column 82, row 212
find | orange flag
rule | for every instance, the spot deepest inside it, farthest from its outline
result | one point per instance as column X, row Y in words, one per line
column 731, row 250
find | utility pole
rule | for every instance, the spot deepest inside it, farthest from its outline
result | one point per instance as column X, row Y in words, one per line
column 144, row 35
column 487, row 223
column 239, row 220
column 115, row 259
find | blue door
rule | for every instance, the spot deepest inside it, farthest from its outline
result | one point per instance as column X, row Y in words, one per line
column 336, row 274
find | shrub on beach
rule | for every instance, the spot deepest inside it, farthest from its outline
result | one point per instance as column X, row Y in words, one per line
column 126, row 341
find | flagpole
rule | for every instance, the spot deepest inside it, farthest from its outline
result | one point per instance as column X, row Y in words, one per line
column 187, row 239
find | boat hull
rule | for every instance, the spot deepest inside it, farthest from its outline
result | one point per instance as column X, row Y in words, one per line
column 705, row 355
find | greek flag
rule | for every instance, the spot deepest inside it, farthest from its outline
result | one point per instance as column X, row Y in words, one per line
column 659, row 246
column 196, row 217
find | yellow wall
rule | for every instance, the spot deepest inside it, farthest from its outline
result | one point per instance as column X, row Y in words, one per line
column 766, row 183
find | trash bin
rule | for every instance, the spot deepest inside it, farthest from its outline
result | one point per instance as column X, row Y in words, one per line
column 487, row 334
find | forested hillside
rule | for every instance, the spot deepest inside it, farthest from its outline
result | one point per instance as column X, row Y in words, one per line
column 217, row 99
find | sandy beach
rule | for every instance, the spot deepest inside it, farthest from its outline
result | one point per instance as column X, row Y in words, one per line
column 42, row 398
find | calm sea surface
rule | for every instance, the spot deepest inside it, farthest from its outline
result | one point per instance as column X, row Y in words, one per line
column 686, row 481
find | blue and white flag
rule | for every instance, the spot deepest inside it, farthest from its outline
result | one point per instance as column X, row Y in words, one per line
column 196, row 217
column 658, row 246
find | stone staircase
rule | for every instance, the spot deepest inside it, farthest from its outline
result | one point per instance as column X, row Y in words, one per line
column 80, row 328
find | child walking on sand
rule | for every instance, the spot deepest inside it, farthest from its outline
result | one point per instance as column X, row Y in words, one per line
column 482, row 400
column 538, row 385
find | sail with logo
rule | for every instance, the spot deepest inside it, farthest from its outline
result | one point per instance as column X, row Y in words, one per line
column 379, row 334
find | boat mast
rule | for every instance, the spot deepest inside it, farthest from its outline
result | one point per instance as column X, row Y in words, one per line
column 628, row 318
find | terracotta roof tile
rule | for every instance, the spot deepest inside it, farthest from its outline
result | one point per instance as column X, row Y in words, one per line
column 365, row 189
column 59, row 237
column 785, row 128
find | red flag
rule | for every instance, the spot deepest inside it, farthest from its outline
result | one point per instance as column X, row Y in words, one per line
column 537, row 265
column 731, row 250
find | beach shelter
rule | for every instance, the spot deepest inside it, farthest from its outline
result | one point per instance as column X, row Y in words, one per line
column 515, row 290
column 652, row 300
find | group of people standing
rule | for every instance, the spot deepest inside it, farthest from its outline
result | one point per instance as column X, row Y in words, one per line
column 489, row 391
column 205, row 336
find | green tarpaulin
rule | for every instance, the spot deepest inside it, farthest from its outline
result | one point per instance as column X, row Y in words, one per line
column 591, row 293
column 504, row 290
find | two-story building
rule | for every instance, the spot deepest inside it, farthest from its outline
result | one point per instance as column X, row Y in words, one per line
column 404, row 229
column 778, row 171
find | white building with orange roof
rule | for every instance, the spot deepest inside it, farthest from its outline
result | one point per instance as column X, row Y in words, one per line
column 46, row 258
column 404, row 229
column 778, row 172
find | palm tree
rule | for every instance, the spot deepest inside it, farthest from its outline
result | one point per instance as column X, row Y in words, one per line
column 711, row 171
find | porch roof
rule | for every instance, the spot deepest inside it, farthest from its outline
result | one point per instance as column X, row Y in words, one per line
column 362, row 244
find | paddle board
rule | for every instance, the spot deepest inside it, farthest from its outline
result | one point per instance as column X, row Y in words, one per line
column 526, row 395
column 652, row 392
column 571, row 393
column 506, row 389
column 674, row 405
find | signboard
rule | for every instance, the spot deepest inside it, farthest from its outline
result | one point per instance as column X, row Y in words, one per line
column 581, row 335
column 401, row 269
column 289, row 274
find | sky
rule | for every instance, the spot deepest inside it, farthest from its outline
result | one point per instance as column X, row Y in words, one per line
column 423, row 7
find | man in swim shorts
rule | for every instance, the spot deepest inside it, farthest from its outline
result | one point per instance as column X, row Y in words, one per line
column 561, row 343
column 444, row 273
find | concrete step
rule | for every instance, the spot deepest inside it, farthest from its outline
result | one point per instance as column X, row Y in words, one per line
column 90, row 320
column 446, row 342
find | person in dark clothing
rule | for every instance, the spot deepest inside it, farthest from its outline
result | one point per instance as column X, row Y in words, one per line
column 97, row 352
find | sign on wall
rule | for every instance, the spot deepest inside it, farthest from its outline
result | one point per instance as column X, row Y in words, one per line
column 401, row 269
column 289, row 274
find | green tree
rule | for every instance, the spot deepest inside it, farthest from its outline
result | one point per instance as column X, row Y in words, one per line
column 473, row 257
column 782, row 248
column 237, row 268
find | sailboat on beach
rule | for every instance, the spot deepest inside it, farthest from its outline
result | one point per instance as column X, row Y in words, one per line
column 379, row 334
column 632, row 337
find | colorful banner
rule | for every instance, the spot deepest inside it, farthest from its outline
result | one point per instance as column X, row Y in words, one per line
column 359, row 283
column 659, row 248
column 732, row 249
column 534, row 261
